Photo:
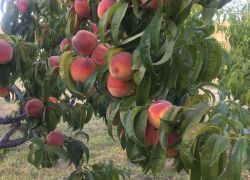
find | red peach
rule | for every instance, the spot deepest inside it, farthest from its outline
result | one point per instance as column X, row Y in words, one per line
column 94, row 28
column 6, row 51
column 173, row 138
column 55, row 138
column 103, row 6
column 121, row 66
column 157, row 110
column 151, row 135
column 53, row 100
column 34, row 108
column 54, row 62
column 84, row 42
column 98, row 54
column 82, row 8
column 65, row 44
column 81, row 69
column 4, row 91
column 22, row 6
column 119, row 88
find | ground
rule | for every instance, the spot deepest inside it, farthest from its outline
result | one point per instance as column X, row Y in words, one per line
column 14, row 165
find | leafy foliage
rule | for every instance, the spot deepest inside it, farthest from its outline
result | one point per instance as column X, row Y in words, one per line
column 174, row 57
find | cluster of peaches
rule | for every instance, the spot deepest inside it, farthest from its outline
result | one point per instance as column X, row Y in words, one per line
column 91, row 56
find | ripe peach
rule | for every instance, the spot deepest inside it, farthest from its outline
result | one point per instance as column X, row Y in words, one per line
column 22, row 6
column 55, row 138
column 84, row 42
column 98, row 55
column 81, row 69
column 103, row 6
column 82, row 8
column 121, row 66
column 4, row 91
column 53, row 100
column 65, row 44
column 119, row 88
column 94, row 28
column 157, row 110
column 151, row 135
column 34, row 108
column 6, row 51
column 54, row 62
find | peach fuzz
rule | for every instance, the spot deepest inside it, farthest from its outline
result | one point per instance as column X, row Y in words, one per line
column 98, row 55
column 103, row 6
column 121, row 66
column 119, row 88
column 81, row 69
column 65, row 44
column 22, row 6
column 4, row 91
column 55, row 138
column 84, row 42
column 6, row 51
column 151, row 135
column 82, row 8
column 157, row 110
column 34, row 108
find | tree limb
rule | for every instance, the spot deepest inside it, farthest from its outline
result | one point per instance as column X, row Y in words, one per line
column 12, row 143
column 12, row 120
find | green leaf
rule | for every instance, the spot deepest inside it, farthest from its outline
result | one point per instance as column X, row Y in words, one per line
column 155, row 28
column 237, row 158
column 116, row 21
column 188, row 139
column 135, row 9
column 60, row 152
column 130, row 123
column 105, row 20
column 140, row 126
column 157, row 159
column 194, row 115
column 215, row 145
column 145, row 85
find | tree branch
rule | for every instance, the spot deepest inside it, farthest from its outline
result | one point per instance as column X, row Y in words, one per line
column 8, row 134
column 12, row 120
column 12, row 143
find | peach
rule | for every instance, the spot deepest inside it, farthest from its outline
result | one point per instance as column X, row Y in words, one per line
column 118, row 88
column 82, row 8
column 4, row 91
column 55, row 138
column 6, row 51
column 81, row 69
column 54, row 62
column 94, row 28
column 84, row 42
column 157, row 110
column 173, row 138
column 34, row 108
column 151, row 135
column 103, row 6
column 65, row 44
column 98, row 54
column 121, row 66
column 53, row 100
column 22, row 6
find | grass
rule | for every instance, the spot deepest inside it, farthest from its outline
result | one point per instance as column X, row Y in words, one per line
column 14, row 165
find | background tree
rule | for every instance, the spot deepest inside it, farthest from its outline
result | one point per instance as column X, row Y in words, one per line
column 138, row 65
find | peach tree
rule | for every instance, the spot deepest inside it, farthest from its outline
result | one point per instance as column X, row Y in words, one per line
column 145, row 68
